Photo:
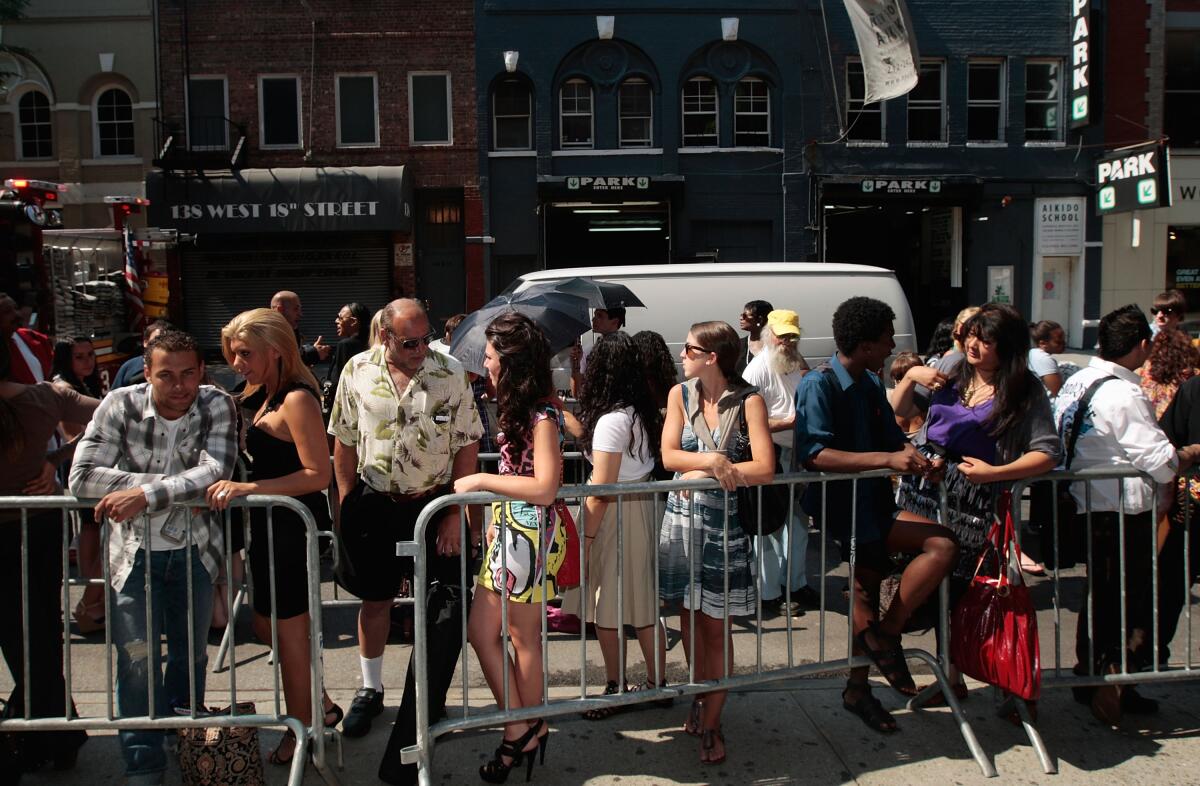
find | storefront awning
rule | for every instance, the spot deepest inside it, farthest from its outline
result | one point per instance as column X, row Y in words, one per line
column 308, row 199
column 884, row 187
column 608, row 188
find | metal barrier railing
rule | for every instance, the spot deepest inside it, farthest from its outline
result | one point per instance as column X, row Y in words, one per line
column 1126, row 673
column 27, row 507
column 422, row 753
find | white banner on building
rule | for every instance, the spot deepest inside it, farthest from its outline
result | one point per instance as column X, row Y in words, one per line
column 887, row 46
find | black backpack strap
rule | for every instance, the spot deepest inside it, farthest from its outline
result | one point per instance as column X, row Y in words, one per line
column 1080, row 413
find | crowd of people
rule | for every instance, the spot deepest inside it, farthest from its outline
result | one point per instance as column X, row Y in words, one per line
column 398, row 422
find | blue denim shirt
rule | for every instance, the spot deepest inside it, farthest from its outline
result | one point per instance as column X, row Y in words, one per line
column 835, row 411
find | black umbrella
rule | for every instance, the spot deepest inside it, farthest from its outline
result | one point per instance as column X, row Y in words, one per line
column 562, row 317
column 599, row 294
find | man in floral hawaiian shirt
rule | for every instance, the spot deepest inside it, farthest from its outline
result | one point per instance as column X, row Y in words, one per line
column 405, row 427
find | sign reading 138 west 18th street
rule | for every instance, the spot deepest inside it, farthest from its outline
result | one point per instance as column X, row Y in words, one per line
column 1137, row 178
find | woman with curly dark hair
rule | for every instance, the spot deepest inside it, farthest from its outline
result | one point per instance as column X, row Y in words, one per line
column 658, row 365
column 525, row 544
column 1173, row 361
column 618, row 417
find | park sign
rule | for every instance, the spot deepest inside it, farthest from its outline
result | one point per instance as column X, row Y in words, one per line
column 1081, row 44
column 1136, row 178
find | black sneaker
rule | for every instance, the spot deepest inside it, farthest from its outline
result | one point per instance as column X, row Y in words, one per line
column 367, row 703
column 807, row 597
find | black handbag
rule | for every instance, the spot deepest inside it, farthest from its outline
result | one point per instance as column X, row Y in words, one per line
column 774, row 508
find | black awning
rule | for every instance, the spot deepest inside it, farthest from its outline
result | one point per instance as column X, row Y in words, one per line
column 308, row 199
column 608, row 188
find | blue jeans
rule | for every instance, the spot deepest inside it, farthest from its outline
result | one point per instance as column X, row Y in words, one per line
column 143, row 748
column 784, row 551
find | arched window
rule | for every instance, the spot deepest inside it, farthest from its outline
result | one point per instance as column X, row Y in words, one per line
column 33, row 118
column 752, row 113
column 700, row 113
column 636, row 109
column 575, row 114
column 512, row 116
column 114, row 123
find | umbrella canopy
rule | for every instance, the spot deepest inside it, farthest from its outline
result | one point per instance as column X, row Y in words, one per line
column 562, row 317
column 599, row 294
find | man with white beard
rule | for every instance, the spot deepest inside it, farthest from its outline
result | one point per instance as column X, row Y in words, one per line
column 776, row 372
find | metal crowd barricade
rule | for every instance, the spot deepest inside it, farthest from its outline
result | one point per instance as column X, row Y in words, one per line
column 1055, row 674
column 422, row 753
column 315, row 735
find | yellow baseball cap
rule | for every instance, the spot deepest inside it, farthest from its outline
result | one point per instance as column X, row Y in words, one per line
column 784, row 322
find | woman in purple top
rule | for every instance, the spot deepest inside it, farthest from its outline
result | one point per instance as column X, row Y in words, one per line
column 989, row 421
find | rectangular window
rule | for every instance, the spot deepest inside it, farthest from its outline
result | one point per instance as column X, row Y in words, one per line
column 1181, row 93
column 429, row 109
column 752, row 113
column 512, row 113
column 927, row 104
column 279, row 112
column 1043, row 100
column 637, row 113
column 207, row 110
column 864, row 122
column 985, row 101
column 37, row 139
column 700, row 127
column 575, row 114
column 357, row 111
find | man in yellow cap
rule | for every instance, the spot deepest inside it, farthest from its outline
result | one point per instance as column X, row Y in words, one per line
column 776, row 372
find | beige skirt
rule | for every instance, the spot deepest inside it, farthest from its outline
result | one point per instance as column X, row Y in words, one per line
column 639, row 594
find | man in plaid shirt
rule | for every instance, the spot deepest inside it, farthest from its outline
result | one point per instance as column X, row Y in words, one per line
column 149, row 448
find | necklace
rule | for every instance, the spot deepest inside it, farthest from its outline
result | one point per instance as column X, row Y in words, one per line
column 974, row 388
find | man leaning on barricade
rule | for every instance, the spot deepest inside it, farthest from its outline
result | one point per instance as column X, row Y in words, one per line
column 405, row 427
column 150, row 450
column 1118, row 430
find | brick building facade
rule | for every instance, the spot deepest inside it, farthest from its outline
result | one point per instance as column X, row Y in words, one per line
column 324, row 147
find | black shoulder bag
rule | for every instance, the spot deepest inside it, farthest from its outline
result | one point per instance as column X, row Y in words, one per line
column 774, row 498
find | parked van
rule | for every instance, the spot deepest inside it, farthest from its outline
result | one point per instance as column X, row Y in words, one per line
column 677, row 296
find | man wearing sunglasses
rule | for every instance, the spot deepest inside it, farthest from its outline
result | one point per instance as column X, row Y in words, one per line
column 405, row 427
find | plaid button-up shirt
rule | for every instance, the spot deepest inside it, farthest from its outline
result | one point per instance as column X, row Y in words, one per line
column 125, row 446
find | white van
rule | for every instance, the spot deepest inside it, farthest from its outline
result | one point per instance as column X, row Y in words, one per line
column 677, row 296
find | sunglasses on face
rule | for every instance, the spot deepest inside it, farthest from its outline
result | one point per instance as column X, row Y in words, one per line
column 412, row 343
column 1164, row 310
column 690, row 348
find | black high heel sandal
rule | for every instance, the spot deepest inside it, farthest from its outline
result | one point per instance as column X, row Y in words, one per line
column 496, row 771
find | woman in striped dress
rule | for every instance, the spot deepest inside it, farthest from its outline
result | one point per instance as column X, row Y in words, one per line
column 700, row 552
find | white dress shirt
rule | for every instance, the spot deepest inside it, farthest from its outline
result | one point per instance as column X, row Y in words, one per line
column 1119, row 430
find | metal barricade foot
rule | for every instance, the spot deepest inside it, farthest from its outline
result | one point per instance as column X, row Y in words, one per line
column 964, row 726
column 227, row 639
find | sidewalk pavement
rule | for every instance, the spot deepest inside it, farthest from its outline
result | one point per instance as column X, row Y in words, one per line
column 788, row 733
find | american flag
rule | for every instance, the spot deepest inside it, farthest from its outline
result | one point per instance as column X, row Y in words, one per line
column 133, row 285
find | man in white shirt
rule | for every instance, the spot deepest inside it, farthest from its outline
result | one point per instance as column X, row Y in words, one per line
column 776, row 372
column 1118, row 430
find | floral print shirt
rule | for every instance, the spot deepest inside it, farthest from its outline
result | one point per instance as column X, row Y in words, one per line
column 406, row 440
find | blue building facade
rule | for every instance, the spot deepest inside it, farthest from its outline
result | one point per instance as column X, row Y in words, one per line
column 645, row 132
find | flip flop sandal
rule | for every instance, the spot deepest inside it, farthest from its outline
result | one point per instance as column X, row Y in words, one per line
column 871, row 712
column 600, row 713
column 708, row 741
column 889, row 660
column 695, row 722
column 939, row 699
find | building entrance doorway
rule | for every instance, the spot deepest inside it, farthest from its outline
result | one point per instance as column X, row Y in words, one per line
column 587, row 234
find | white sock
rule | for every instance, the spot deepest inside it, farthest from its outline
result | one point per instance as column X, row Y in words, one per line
column 372, row 672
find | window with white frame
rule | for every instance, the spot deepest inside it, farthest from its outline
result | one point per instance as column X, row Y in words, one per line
column 1181, row 93
column 512, row 116
column 985, row 101
column 864, row 122
column 429, row 109
column 35, row 125
column 207, row 110
column 700, row 126
column 636, row 109
column 927, row 104
column 575, row 114
column 752, row 113
column 279, row 117
column 114, row 123
column 1043, row 100
column 357, row 110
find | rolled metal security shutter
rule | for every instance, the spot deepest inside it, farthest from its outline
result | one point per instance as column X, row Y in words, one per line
column 220, row 283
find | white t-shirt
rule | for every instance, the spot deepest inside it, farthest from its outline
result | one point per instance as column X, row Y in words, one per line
column 1041, row 363
column 173, row 467
column 611, row 435
column 778, row 392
